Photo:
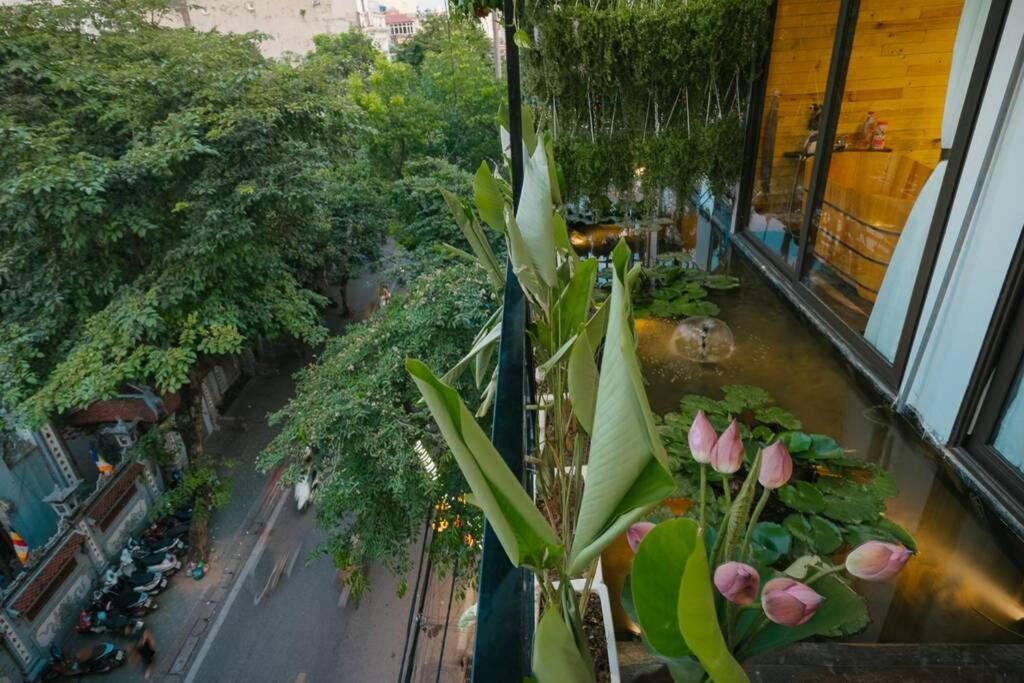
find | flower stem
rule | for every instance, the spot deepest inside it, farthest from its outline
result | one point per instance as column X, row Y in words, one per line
column 703, row 491
column 758, row 509
column 823, row 573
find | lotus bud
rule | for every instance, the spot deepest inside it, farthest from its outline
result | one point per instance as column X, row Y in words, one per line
column 727, row 455
column 877, row 561
column 636, row 533
column 738, row 582
column 702, row 438
column 788, row 602
column 776, row 466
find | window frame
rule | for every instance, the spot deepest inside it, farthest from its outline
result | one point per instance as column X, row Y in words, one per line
column 887, row 374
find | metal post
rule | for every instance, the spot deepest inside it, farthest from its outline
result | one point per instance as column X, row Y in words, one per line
column 504, row 610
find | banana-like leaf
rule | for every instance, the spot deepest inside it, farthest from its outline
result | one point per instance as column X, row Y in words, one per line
column 583, row 382
column 474, row 234
column 527, row 538
column 484, row 343
column 557, row 356
column 488, row 398
column 490, row 202
column 522, row 264
column 556, row 659
column 535, row 216
column 627, row 471
column 529, row 132
column 549, row 150
column 573, row 305
column 698, row 620
column 562, row 238
column 597, row 326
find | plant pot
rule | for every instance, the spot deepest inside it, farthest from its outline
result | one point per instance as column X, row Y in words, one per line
column 617, row 563
column 601, row 591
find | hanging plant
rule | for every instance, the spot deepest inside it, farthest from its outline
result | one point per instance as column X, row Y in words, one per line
column 645, row 96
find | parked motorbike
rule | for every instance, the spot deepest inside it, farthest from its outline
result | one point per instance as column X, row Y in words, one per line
column 139, row 548
column 99, row 658
column 129, row 577
column 103, row 621
column 165, row 563
column 158, row 533
column 131, row 602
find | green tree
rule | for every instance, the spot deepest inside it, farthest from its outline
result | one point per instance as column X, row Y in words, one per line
column 437, row 32
column 383, row 472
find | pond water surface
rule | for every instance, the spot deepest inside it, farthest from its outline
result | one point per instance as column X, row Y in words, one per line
column 964, row 585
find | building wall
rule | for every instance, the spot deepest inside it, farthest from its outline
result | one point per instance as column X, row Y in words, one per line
column 988, row 208
column 291, row 24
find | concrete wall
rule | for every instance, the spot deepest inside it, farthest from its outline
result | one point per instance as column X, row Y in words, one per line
column 43, row 603
column 291, row 24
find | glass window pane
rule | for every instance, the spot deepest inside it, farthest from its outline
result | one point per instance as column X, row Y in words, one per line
column 1009, row 439
column 800, row 55
column 908, row 73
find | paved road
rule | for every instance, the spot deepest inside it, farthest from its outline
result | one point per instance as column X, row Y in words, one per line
column 299, row 631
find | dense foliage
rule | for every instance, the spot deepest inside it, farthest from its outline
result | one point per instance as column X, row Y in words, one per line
column 359, row 412
column 164, row 196
column 643, row 85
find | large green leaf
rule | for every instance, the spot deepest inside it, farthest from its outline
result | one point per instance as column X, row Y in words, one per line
column 490, row 202
column 486, row 340
column 698, row 620
column 573, row 305
column 556, row 659
column 522, row 265
column 739, row 513
column 802, row 497
column 474, row 234
column 843, row 611
column 583, row 379
column 656, row 580
column 535, row 216
column 524, row 534
column 627, row 470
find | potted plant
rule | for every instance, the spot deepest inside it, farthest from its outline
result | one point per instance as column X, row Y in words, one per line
column 596, row 411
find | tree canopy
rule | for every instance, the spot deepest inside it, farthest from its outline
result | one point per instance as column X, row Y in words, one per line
column 164, row 195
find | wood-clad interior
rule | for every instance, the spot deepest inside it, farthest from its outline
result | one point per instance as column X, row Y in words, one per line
column 898, row 70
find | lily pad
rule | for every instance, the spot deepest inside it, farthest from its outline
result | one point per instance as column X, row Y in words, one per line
column 721, row 282
column 819, row 534
column 853, row 509
column 772, row 541
column 763, row 434
column 690, row 308
column 741, row 396
column 825, row 447
column 778, row 416
column 882, row 529
column 882, row 482
column 802, row 497
column 796, row 442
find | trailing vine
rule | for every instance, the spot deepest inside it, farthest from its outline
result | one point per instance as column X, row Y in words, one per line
column 644, row 94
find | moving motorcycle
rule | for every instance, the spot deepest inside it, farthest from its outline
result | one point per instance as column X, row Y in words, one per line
column 130, row 602
column 161, row 562
column 99, row 658
column 306, row 487
column 103, row 621
column 128, row 577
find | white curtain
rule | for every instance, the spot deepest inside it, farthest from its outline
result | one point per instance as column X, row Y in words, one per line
column 890, row 311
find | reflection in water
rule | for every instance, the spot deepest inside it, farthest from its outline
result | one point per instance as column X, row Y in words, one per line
column 963, row 586
column 701, row 339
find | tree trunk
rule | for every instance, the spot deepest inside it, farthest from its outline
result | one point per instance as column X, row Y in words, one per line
column 198, row 536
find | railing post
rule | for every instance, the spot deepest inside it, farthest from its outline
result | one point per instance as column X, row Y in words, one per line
column 505, row 608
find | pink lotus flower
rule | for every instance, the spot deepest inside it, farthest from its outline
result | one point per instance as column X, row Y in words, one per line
column 702, row 438
column 727, row 455
column 738, row 582
column 636, row 533
column 788, row 602
column 776, row 466
column 877, row 561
